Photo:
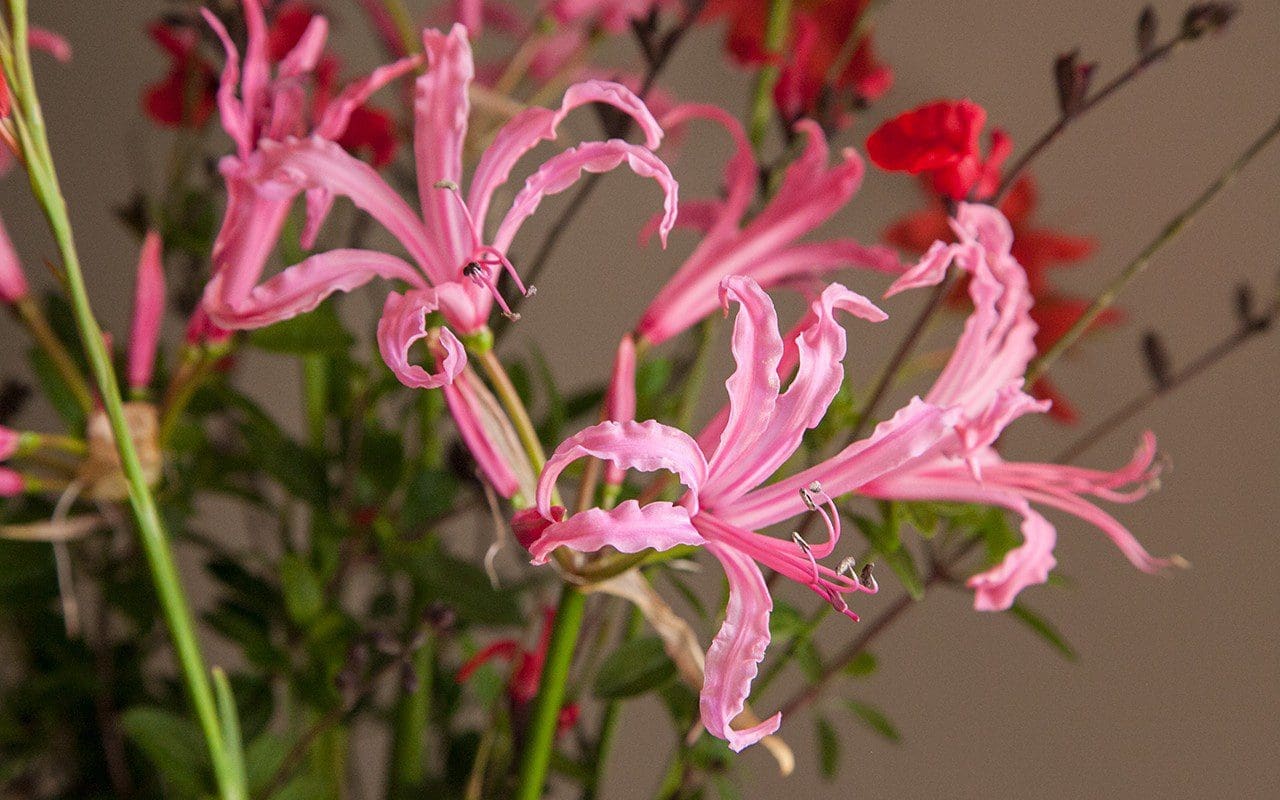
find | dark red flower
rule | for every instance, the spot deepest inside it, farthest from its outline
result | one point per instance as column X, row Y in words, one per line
column 522, row 685
column 166, row 101
column 819, row 32
column 940, row 140
column 1038, row 250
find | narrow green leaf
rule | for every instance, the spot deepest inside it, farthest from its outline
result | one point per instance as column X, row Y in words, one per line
column 636, row 667
column 232, row 778
column 173, row 745
column 1044, row 629
column 828, row 747
column 303, row 594
column 861, row 666
column 320, row 332
column 875, row 719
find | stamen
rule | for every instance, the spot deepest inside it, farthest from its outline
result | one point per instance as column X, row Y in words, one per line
column 867, row 579
column 848, row 568
column 808, row 551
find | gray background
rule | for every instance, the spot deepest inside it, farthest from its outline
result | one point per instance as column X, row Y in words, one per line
column 1175, row 694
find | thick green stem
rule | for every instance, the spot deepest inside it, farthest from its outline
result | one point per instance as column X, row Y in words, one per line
column 777, row 27
column 1143, row 259
column 164, row 572
column 541, row 735
column 412, row 717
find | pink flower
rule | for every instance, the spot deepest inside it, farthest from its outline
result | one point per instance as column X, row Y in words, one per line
column 984, row 381
column 8, row 442
column 456, row 270
column 765, row 247
column 148, row 312
column 726, row 502
column 39, row 39
column 11, row 483
column 13, row 281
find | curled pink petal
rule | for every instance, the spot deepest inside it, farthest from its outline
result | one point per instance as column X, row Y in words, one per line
column 52, row 43
column 563, row 170
column 148, row 312
column 646, row 446
column 337, row 114
column 235, row 115
column 534, row 125
column 1028, row 564
column 306, row 53
column 404, row 322
column 304, row 286
column 735, row 654
column 628, row 528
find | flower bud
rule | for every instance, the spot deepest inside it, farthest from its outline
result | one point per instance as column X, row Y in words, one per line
column 1146, row 30
column 13, row 283
column 148, row 312
column 11, row 483
column 8, row 443
column 1203, row 18
column 1157, row 356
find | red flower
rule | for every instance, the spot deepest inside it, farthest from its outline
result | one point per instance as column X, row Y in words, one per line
column 166, row 101
column 1038, row 250
column 940, row 141
column 522, row 686
column 819, row 31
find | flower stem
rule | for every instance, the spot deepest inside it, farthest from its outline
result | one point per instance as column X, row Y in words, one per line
column 777, row 27
column 169, row 591
column 510, row 399
column 412, row 716
column 540, row 737
column 1140, row 262
column 37, row 325
column 609, row 719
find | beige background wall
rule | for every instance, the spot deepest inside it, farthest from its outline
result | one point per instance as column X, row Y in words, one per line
column 1175, row 695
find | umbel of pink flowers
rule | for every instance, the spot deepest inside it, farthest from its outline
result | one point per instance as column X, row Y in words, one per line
column 939, row 447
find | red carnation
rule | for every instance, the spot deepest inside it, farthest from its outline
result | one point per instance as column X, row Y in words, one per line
column 940, row 141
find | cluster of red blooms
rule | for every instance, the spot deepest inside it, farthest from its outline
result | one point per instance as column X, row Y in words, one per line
column 939, row 142
column 187, row 95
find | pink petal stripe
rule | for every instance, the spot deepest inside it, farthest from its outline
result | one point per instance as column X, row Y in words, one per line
column 534, row 125
column 896, row 441
column 404, row 322
column 620, row 400
column 257, row 68
column 563, row 170
column 304, row 286
column 628, row 528
column 736, row 652
column 646, row 446
column 441, row 107
column 148, row 312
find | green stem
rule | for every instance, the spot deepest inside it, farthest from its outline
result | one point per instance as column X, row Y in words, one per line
column 38, row 326
column 1143, row 259
column 315, row 372
column 412, row 717
column 510, row 399
column 609, row 719
column 541, row 735
column 164, row 572
column 777, row 27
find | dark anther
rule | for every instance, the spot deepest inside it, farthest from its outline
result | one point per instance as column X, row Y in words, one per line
column 473, row 270
column 866, row 578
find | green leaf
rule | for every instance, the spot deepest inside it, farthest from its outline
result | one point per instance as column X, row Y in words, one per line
column 429, row 495
column 303, row 594
column 317, row 333
column 828, row 747
column 55, row 389
column 462, row 586
column 636, row 667
column 904, row 566
column 173, row 745
column 1044, row 629
column 862, row 665
column 232, row 774
column 875, row 719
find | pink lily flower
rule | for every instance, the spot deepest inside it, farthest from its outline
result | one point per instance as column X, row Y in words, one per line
column 984, row 379
column 12, row 483
column 456, row 268
column 148, row 312
column 13, row 281
column 765, row 247
column 725, row 503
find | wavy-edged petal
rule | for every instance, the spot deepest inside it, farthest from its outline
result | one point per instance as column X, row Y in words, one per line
column 236, row 120
column 628, row 528
column 907, row 435
column 563, row 170
column 735, row 654
column 404, row 322
column 646, row 446
column 337, row 114
column 303, row 286
column 534, row 125
column 441, row 107
column 741, row 172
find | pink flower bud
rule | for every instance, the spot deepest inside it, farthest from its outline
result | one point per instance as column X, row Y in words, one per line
column 13, row 283
column 148, row 311
column 8, row 443
column 11, row 483
column 202, row 331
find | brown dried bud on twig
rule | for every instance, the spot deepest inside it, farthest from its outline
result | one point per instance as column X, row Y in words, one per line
column 1146, row 30
column 1203, row 18
column 1157, row 356
column 1244, row 304
column 1072, row 80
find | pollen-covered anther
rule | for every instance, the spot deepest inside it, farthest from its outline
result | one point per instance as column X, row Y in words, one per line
column 867, row 579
